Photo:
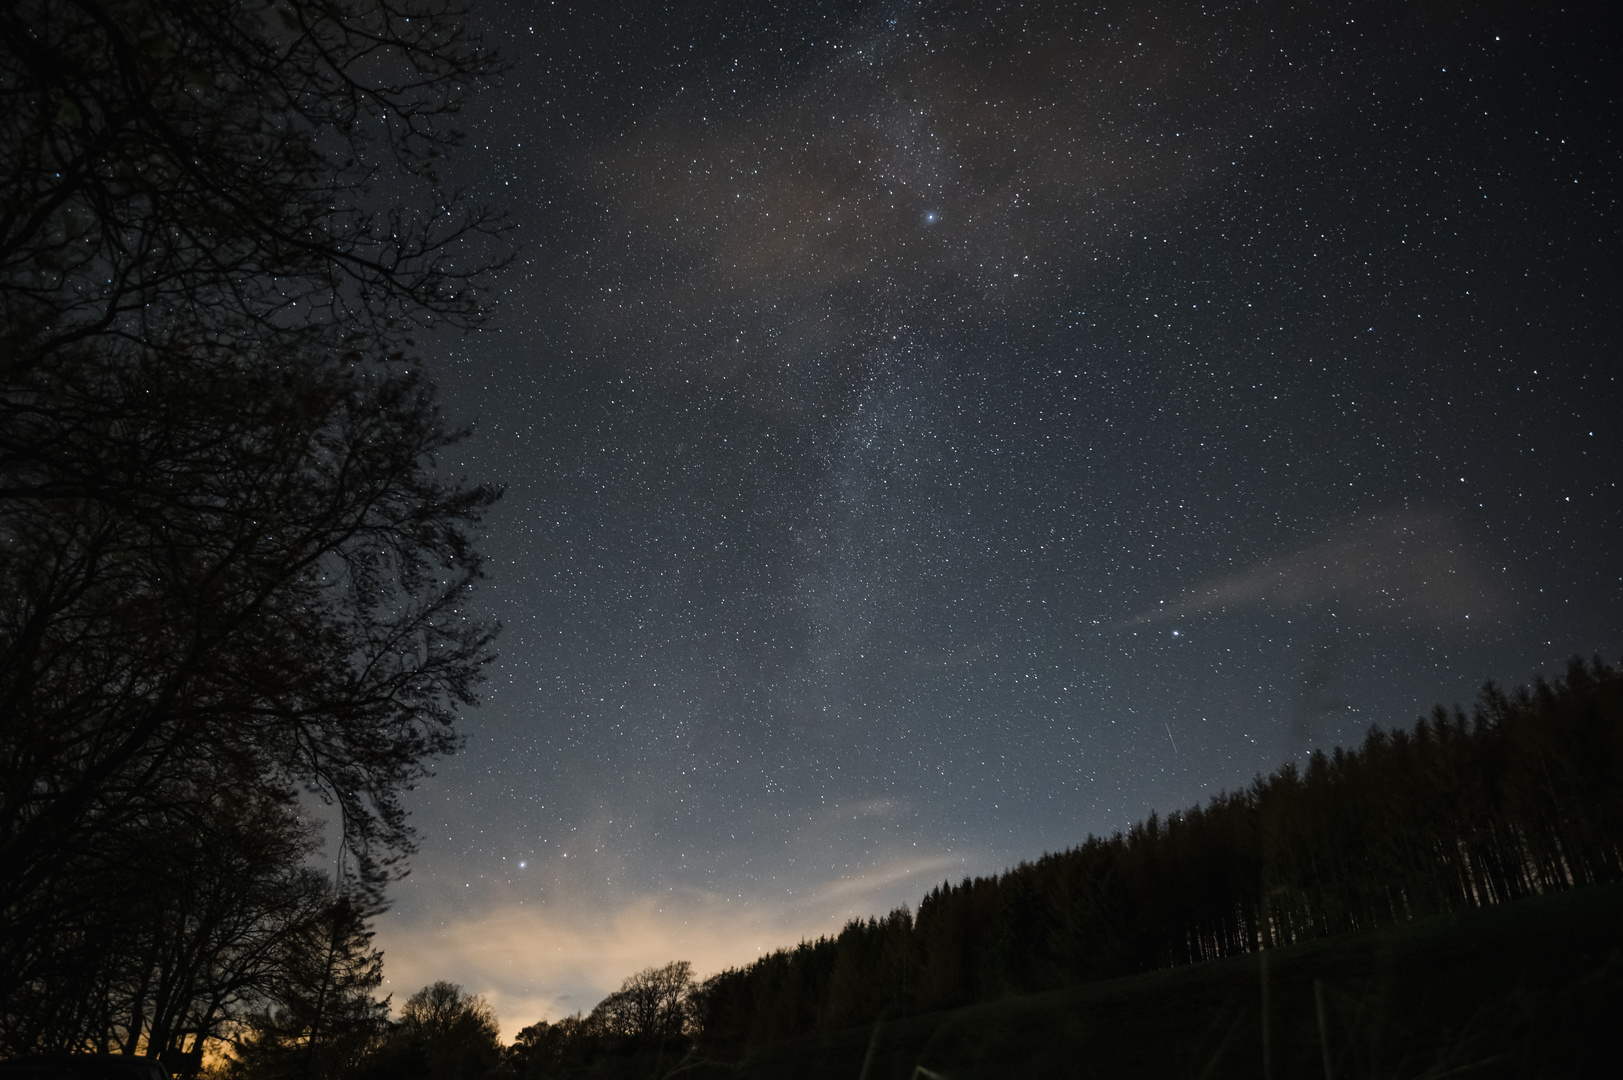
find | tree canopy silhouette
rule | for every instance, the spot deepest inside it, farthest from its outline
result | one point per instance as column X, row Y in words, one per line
column 319, row 1020
column 213, row 171
column 650, row 1005
column 650, row 1020
column 444, row 1034
column 231, row 558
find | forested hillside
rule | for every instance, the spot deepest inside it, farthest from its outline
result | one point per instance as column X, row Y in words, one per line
column 1521, row 797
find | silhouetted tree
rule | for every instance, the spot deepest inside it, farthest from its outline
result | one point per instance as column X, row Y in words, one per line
column 230, row 557
column 285, row 607
column 443, row 1034
column 321, row 1021
column 546, row 1049
column 650, row 1005
column 175, row 930
column 182, row 171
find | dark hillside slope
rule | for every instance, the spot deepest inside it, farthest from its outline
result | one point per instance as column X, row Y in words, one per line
column 1530, row 988
column 1521, row 799
column 1441, row 900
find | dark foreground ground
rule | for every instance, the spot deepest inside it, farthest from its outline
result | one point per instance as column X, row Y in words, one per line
column 1525, row 990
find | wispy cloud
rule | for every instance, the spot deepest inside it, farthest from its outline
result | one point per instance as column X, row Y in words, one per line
column 913, row 171
column 547, row 960
column 1403, row 564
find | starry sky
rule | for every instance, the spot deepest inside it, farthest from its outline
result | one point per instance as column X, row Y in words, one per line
column 934, row 432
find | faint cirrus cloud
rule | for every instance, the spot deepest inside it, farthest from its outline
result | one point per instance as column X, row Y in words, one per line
column 777, row 242
column 1401, row 564
column 534, row 958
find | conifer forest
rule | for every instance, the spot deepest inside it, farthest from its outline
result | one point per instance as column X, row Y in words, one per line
column 1520, row 797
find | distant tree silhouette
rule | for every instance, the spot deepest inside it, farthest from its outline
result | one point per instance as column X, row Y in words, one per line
column 443, row 1034
column 1524, row 796
column 648, row 1022
column 649, row 1006
column 549, row 1049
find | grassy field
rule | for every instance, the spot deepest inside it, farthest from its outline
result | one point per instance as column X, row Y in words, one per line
column 1527, row 989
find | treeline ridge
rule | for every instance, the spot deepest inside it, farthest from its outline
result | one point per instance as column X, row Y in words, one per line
column 1522, row 796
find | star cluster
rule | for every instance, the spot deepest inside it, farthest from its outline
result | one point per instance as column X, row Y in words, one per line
column 934, row 432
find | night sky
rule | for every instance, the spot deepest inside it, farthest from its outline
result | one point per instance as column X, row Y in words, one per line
column 935, row 432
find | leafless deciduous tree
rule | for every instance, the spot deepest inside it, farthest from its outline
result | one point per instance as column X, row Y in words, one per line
column 444, row 1034
column 231, row 558
column 205, row 917
column 229, row 169
column 649, row 1005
